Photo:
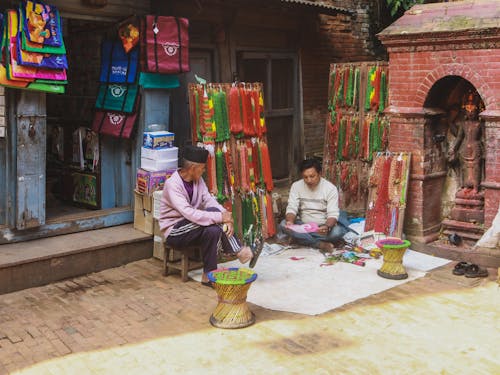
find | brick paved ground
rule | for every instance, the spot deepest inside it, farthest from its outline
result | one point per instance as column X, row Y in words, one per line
column 132, row 320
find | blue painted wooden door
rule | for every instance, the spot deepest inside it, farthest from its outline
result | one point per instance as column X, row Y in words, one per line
column 30, row 160
column 156, row 109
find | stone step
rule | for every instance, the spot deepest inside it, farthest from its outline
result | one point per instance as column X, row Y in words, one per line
column 43, row 261
column 463, row 226
column 469, row 202
column 469, row 215
column 464, row 235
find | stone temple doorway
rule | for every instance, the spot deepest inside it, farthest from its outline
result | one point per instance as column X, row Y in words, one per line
column 454, row 148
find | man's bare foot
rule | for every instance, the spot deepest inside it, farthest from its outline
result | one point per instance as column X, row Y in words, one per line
column 325, row 247
column 204, row 278
column 205, row 281
column 244, row 255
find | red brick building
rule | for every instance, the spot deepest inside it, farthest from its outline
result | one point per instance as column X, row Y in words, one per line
column 437, row 54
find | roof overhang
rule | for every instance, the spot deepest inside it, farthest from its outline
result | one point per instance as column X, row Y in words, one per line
column 322, row 7
column 445, row 22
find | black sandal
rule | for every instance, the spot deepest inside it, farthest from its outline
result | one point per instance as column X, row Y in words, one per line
column 460, row 268
column 256, row 250
column 474, row 271
column 207, row 283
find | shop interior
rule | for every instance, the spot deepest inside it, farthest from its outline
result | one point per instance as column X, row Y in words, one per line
column 73, row 162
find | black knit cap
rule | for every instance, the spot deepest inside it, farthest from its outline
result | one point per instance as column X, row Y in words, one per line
column 195, row 154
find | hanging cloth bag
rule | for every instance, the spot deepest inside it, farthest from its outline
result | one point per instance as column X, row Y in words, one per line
column 117, row 66
column 167, row 44
column 39, row 60
column 117, row 97
column 42, row 23
column 114, row 123
column 28, row 45
column 16, row 71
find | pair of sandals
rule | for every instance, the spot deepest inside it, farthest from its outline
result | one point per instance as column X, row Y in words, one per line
column 469, row 270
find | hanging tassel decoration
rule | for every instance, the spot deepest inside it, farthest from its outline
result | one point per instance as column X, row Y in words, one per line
column 221, row 116
column 194, row 108
column 355, row 95
column 208, row 130
column 383, row 92
column 341, row 139
column 235, row 115
column 271, row 225
column 211, row 170
column 219, row 165
column 261, row 117
column 266, row 166
column 350, row 89
column 251, row 169
column 245, row 185
column 248, row 126
column 370, row 92
column 256, row 112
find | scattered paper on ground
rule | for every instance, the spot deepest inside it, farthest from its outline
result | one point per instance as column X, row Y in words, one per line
column 294, row 280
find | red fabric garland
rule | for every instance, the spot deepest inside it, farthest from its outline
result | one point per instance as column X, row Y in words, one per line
column 266, row 166
column 235, row 115
column 271, row 226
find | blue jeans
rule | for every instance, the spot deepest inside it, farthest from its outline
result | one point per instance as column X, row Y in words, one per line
column 313, row 239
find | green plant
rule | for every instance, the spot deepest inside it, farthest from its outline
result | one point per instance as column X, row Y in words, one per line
column 397, row 5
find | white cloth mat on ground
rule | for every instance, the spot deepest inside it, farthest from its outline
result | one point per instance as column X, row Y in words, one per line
column 304, row 286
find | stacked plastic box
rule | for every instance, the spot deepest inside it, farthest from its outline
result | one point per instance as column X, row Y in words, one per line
column 159, row 159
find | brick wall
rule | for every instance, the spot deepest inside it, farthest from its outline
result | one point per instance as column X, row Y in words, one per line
column 413, row 73
column 340, row 38
column 414, row 70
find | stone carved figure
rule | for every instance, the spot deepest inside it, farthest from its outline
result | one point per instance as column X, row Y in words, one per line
column 466, row 149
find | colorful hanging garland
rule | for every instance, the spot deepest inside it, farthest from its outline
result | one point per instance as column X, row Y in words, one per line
column 229, row 121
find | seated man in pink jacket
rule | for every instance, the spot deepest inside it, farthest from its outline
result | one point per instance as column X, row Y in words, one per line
column 189, row 215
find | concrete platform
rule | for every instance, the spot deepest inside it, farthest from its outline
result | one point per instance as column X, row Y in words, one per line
column 43, row 261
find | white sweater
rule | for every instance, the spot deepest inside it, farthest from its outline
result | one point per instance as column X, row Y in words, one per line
column 313, row 205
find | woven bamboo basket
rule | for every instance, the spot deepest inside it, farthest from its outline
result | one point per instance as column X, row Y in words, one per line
column 232, row 285
column 393, row 250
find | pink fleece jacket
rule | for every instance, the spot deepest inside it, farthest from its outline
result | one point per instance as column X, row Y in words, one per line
column 175, row 204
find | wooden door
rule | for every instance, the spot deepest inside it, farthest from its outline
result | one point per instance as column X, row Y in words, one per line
column 30, row 160
column 278, row 74
column 201, row 62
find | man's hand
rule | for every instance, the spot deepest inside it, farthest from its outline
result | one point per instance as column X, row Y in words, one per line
column 323, row 229
column 227, row 217
column 228, row 229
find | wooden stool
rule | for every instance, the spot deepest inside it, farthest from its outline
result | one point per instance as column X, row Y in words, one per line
column 183, row 259
column 231, row 285
column 393, row 250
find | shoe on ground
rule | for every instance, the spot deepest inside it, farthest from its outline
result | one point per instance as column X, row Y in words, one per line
column 474, row 271
column 256, row 250
column 460, row 268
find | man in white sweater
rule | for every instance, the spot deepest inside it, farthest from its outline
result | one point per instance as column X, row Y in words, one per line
column 313, row 201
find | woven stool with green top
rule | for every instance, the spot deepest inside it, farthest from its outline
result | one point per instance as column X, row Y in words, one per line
column 393, row 250
column 231, row 285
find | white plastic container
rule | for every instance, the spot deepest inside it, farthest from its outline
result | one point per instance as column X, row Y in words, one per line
column 160, row 153
column 158, row 165
column 156, row 203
